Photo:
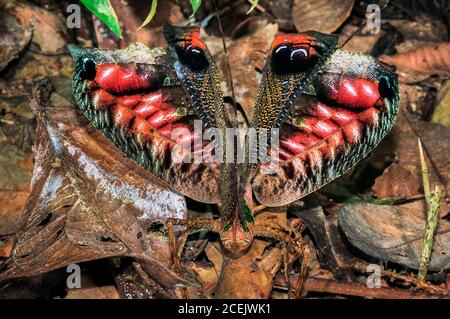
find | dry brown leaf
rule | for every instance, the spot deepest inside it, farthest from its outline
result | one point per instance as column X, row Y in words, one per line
column 105, row 292
column 207, row 275
column 396, row 182
column 427, row 59
column 425, row 30
column 49, row 29
column 441, row 112
column 88, row 201
column 401, row 145
column 321, row 15
column 394, row 233
column 329, row 246
column 6, row 246
column 14, row 36
column 253, row 283
column 360, row 42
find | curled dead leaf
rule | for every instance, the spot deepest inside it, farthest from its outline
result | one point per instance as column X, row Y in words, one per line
column 321, row 15
column 14, row 36
column 394, row 233
column 254, row 282
column 49, row 29
column 428, row 59
column 88, row 201
column 396, row 182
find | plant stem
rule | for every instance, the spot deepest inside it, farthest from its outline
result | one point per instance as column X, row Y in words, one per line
column 433, row 202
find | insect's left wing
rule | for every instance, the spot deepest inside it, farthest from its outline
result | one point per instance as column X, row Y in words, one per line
column 350, row 105
column 134, row 97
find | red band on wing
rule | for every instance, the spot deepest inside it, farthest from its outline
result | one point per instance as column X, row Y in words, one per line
column 192, row 37
column 293, row 39
column 348, row 91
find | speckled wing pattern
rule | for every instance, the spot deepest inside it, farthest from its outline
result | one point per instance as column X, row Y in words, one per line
column 134, row 97
column 349, row 106
column 331, row 107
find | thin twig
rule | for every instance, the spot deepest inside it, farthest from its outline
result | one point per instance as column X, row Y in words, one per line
column 225, row 50
column 433, row 202
column 409, row 279
column 352, row 289
column 174, row 248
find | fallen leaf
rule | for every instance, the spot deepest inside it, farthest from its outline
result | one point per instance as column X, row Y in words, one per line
column 105, row 292
column 131, row 15
column 320, row 15
column 49, row 29
column 11, row 209
column 254, row 282
column 401, row 145
column 6, row 246
column 441, row 114
column 88, row 201
column 207, row 275
column 396, row 182
column 430, row 30
column 329, row 246
column 360, row 42
column 394, row 233
column 14, row 37
column 427, row 60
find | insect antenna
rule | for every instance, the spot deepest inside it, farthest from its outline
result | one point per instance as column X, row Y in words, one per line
column 225, row 50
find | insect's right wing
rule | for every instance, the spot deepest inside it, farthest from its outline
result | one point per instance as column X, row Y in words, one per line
column 351, row 104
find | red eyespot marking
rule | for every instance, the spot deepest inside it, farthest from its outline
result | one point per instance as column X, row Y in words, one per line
column 117, row 78
column 348, row 91
column 192, row 37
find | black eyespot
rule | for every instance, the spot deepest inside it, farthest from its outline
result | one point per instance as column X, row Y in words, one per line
column 193, row 57
column 88, row 68
column 280, row 59
column 291, row 59
column 386, row 87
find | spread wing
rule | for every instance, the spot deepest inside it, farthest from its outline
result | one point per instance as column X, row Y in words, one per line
column 331, row 109
column 134, row 97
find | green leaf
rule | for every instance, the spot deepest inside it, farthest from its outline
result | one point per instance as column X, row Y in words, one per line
column 105, row 12
column 227, row 228
column 150, row 15
column 247, row 213
column 254, row 4
column 195, row 4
